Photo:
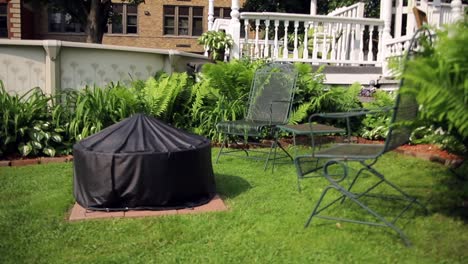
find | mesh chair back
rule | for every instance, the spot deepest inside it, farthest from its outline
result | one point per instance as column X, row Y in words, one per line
column 405, row 111
column 406, row 106
column 272, row 93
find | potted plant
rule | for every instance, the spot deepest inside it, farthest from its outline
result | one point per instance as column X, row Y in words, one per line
column 216, row 42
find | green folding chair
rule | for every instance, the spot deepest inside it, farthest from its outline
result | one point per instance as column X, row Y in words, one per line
column 338, row 157
column 269, row 105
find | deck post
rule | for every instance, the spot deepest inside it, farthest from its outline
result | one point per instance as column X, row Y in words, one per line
column 457, row 11
column 210, row 14
column 234, row 29
column 386, row 16
column 313, row 7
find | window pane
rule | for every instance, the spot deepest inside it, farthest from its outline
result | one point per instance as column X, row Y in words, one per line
column 132, row 9
column 168, row 31
column 197, row 26
column 198, row 11
column 183, row 26
column 169, row 22
column 3, row 9
column 217, row 11
column 117, row 24
column 227, row 12
column 183, row 11
column 132, row 20
column 70, row 26
column 117, row 18
column 3, row 27
column 169, row 10
column 131, row 29
column 117, row 8
column 55, row 22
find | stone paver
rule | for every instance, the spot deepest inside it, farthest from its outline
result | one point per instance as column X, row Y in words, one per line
column 79, row 213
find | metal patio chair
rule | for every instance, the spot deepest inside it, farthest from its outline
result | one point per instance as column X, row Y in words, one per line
column 338, row 156
column 269, row 105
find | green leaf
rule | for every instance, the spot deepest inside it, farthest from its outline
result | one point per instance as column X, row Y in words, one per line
column 47, row 135
column 24, row 149
column 36, row 145
column 49, row 151
column 56, row 137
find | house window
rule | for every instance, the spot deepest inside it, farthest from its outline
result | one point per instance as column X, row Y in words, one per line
column 124, row 19
column 183, row 20
column 3, row 21
column 222, row 12
column 62, row 22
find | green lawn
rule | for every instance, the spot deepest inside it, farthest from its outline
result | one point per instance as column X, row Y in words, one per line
column 264, row 223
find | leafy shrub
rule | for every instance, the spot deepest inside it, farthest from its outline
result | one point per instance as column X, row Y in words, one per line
column 26, row 124
column 166, row 97
column 221, row 94
column 95, row 108
column 376, row 126
column 438, row 79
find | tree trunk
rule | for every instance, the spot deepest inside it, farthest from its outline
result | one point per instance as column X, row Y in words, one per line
column 94, row 31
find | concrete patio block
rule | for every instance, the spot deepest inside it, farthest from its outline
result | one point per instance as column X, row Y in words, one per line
column 146, row 213
column 80, row 213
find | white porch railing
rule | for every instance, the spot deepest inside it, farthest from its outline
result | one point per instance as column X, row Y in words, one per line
column 354, row 11
column 316, row 39
column 343, row 37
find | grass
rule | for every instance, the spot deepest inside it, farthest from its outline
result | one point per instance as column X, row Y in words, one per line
column 264, row 223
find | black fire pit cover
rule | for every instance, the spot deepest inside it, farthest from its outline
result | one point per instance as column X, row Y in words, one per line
column 142, row 163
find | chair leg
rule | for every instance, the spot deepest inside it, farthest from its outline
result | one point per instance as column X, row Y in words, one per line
column 314, row 212
column 406, row 195
column 221, row 149
column 272, row 148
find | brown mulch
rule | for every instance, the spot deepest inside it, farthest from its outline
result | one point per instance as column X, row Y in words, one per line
column 424, row 151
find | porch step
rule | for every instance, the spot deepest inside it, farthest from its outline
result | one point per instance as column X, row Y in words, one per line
column 347, row 75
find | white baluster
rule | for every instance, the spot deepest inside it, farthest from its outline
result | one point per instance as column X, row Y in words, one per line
column 352, row 54
column 333, row 44
column 246, row 37
column 340, row 40
column 370, row 54
column 285, row 41
column 344, row 47
column 266, row 50
column 324, row 44
column 276, row 48
column 305, row 53
column 295, row 51
column 380, row 48
column 257, row 27
column 361, row 43
column 314, row 50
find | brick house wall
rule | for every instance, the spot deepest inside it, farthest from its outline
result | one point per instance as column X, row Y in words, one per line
column 150, row 24
column 13, row 18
